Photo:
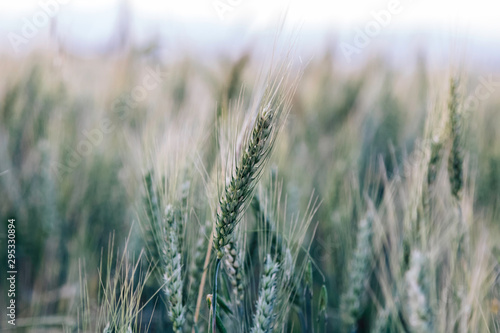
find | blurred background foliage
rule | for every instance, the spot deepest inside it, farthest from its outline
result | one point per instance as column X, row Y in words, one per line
column 346, row 129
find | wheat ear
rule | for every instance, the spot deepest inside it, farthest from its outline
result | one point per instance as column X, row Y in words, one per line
column 455, row 160
column 418, row 311
column 273, row 108
column 264, row 314
column 172, row 268
column 358, row 272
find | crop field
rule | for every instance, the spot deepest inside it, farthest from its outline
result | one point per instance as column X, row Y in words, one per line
column 256, row 192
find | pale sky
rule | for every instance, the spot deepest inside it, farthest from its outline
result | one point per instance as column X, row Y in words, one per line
column 480, row 15
column 88, row 21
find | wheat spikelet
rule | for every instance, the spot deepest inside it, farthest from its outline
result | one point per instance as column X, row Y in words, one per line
column 358, row 272
column 234, row 269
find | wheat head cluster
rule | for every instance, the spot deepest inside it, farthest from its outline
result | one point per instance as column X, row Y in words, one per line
column 276, row 197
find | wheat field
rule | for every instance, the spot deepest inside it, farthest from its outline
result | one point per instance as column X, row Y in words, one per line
column 249, row 194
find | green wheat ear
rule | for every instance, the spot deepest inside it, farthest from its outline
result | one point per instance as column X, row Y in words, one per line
column 273, row 109
column 455, row 160
column 244, row 179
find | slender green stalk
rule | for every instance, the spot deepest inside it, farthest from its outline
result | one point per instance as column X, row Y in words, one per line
column 151, row 226
column 214, row 294
column 308, row 281
column 322, row 305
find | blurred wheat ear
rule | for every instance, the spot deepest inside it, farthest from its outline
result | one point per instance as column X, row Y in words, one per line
column 455, row 161
column 351, row 302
